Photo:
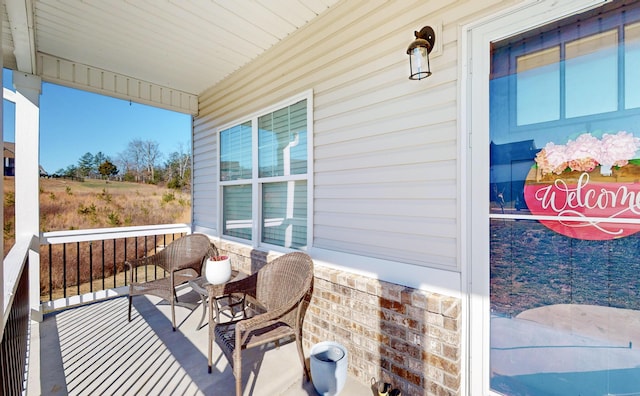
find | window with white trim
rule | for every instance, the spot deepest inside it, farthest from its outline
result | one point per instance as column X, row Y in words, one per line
column 264, row 173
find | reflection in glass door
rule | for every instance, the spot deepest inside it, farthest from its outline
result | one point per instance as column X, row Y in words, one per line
column 565, row 207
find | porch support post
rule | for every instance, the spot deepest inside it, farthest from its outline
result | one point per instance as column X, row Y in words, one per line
column 27, row 174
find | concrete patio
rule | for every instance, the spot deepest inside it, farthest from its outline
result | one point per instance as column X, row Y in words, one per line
column 93, row 349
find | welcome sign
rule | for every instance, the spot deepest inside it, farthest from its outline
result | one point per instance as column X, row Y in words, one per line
column 587, row 185
column 586, row 209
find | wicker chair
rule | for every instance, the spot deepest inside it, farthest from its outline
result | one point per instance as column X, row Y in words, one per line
column 276, row 293
column 182, row 259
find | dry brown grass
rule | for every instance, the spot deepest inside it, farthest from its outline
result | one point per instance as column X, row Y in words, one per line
column 68, row 205
column 71, row 205
column 9, row 226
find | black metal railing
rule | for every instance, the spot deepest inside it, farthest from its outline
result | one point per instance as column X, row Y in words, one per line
column 89, row 263
column 15, row 335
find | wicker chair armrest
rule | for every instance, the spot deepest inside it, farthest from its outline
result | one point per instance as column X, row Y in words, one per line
column 267, row 318
column 156, row 260
column 256, row 322
column 272, row 315
column 134, row 263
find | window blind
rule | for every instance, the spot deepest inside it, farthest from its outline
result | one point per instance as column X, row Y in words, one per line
column 237, row 213
column 284, row 212
column 283, row 141
column 235, row 152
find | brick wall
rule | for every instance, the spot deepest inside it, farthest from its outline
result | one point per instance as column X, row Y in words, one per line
column 410, row 338
column 404, row 336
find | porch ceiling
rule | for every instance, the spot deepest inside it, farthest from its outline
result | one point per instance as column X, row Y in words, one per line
column 186, row 46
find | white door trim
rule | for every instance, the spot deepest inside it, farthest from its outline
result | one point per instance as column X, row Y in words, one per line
column 475, row 40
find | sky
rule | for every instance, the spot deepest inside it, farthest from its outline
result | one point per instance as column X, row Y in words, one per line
column 74, row 122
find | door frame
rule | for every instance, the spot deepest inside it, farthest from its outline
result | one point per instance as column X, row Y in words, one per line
column 475, row 40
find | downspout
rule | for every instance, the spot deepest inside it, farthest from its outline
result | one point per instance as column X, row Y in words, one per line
column 291, row 188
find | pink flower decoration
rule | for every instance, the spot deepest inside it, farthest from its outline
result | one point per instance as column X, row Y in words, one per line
column 552, row 159
column 587, row 152
column 583, row 164
column 582, row 152
column 618, row 149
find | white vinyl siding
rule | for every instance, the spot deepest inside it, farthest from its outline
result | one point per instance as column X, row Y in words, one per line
column 204, row 201
column 385, row 148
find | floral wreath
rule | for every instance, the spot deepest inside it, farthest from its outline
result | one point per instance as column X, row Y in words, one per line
column 587, row 152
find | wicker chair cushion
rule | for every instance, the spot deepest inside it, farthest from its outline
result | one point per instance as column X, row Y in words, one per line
column 225, row 336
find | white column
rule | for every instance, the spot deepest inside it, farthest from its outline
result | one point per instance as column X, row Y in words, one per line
column 27, row 177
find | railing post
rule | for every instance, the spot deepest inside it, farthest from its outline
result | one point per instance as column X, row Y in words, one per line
column 36, row 312
column 115, row 268
column 64, row 270
column 91, row 266
column 78, row 267
column 50, row 273
column 103, row 265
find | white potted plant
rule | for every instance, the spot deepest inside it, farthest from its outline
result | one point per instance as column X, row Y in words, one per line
column 217, row 269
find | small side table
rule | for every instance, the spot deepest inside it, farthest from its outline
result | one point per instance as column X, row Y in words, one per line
column 229, row 302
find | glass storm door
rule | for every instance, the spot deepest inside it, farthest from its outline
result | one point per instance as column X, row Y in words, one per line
column 565, row 207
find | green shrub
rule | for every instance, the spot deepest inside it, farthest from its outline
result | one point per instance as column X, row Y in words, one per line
column 87, row 210
column 168, row 196
column 9, row 198
column 8, row 229
column 129, row 177
column 175, row 183
column 105, row 195
column 114, row 219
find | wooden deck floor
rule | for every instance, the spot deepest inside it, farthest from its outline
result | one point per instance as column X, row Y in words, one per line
column 93, row 349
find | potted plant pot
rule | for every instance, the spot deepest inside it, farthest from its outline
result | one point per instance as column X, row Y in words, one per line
column 328, row 367
column 217, row 269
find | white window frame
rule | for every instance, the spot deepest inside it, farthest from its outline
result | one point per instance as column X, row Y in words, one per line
column 256, row 182
column 473, row 115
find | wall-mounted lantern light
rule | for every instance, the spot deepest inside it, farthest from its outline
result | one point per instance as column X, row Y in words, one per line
column 418, row 52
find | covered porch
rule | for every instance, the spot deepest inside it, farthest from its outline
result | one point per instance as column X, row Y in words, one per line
column 330, row 149
column 307, row 134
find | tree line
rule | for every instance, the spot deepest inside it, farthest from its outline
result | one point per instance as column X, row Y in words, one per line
column 140, row 162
